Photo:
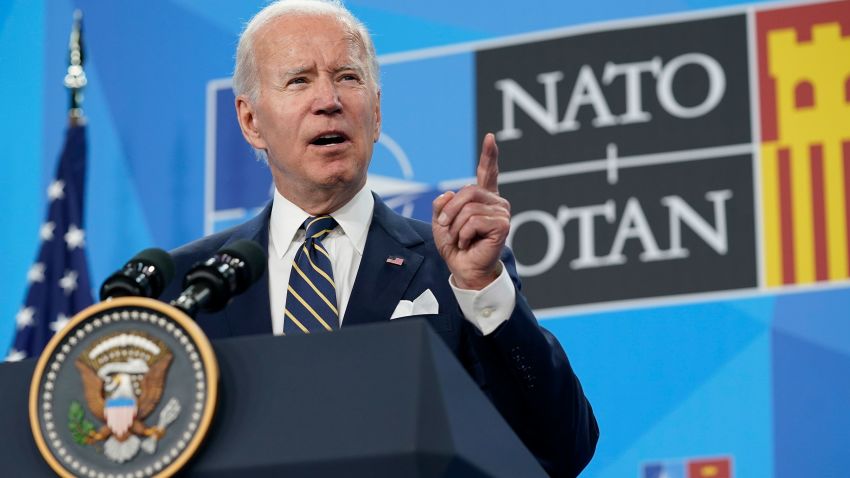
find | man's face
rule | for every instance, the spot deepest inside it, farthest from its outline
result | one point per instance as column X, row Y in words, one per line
column 317, row 114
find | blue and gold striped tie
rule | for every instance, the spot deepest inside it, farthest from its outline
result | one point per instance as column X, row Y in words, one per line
column 311, row 295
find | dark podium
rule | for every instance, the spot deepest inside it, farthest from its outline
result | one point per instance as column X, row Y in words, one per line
column 378, row 400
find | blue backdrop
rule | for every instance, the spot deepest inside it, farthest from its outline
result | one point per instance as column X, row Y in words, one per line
column 756, row 376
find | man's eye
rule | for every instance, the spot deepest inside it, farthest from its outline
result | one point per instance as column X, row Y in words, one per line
column 298, row 81
column 349, row 77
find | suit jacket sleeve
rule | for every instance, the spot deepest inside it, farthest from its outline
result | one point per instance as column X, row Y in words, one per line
column 526, row 374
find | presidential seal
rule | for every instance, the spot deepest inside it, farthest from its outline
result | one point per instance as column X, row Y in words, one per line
column 126, row 390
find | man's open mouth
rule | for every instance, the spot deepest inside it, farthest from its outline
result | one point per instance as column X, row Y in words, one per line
column 329, row 138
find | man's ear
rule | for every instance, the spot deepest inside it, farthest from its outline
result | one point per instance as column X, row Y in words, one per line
column 248, row 123
column 377, row 118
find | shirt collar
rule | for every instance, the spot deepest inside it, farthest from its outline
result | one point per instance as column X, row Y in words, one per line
column 353, row 218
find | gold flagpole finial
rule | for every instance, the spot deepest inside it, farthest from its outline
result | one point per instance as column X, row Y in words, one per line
column 75, row 79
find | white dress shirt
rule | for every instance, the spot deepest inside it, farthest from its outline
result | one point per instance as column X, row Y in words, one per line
column 486, row 309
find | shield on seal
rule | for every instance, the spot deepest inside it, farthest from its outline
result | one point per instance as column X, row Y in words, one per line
column 120, row 413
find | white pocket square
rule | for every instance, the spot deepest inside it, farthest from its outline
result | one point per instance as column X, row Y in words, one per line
column 425, row 304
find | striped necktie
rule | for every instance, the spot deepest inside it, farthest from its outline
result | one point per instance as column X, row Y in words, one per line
column 311, row 295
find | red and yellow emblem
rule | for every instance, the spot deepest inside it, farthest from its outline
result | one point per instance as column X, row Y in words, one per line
column 804, row 84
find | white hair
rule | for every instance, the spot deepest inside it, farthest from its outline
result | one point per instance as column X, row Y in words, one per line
column 245, row 75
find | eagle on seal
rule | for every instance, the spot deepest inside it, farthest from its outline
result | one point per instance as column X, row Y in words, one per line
column 122, row 394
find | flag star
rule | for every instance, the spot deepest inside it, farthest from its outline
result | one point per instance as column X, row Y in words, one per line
column 68, row 282
column 24, row 317
column 75, row 237
column 15, row 356
column 46, row 231
column 59, row 324
column 36, row 273
column 56, row 190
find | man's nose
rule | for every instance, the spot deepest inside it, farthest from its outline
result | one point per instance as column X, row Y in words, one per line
column 327, row 99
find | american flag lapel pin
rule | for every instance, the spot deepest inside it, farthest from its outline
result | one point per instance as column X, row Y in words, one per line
column 395, row 260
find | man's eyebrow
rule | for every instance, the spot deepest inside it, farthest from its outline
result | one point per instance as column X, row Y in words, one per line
column 348, row 66
column 300, row 70
column 296, row 71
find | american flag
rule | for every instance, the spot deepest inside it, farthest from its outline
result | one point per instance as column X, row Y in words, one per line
column 59, row 278
column 395, row 260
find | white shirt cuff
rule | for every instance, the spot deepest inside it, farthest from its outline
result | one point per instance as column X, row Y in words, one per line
column 489, row 307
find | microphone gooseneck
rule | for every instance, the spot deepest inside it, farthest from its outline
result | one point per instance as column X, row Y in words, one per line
column 209, row 285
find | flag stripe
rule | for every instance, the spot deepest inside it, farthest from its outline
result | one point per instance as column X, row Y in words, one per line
column 772, row 237
column 804, row 243
column 786, row 217
column 818, row 212
column 846, row 161
column 834, row 195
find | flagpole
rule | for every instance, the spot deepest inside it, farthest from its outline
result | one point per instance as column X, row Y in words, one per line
column 75, row 79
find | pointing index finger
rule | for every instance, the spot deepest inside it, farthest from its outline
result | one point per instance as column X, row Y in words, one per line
column 488, row 164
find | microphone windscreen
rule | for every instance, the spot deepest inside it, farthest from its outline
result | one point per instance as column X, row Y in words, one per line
column 251, row 253
column 159, row 259
column 145, row 275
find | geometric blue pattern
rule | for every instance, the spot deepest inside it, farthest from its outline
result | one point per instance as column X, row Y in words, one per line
column 762, row 379
column 660, row 381
column 811, row 384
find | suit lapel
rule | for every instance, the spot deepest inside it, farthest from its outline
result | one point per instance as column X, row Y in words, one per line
column 380, row 284
column 249, row 313
column 378, row 288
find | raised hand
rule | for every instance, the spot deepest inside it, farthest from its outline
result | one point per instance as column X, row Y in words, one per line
column 470, row 226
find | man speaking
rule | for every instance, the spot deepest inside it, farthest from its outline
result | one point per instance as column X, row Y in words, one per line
column 308, row 101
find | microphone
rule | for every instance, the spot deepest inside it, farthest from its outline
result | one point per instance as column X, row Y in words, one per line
column 145, row 275
column 210, row 285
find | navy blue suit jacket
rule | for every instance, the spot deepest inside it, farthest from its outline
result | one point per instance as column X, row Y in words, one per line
column 521, row 366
